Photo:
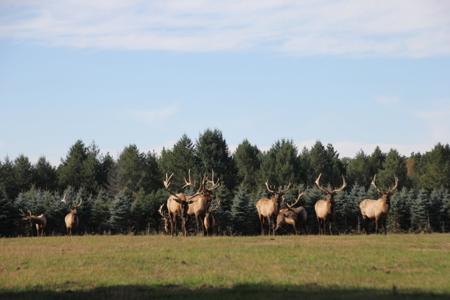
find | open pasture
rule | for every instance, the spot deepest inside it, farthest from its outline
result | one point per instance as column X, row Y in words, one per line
column 312, row 267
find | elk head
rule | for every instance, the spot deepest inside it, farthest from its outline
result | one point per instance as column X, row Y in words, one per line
column 330, row 193
column 165, row 217
column 385, row 195
column 277, row 195
column 26, row 216
column 74, row 208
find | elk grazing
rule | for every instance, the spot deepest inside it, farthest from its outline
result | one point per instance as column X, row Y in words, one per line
column 377, row 209
column 324, row 208
column 71, row 218
column 199, row 204
column 177, row 204
column 268, row 207
column 209, row 221
column 165, row 218
column 293, row 216
column 38, row 221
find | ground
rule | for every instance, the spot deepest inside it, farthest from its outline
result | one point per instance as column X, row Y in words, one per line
column 310, row 267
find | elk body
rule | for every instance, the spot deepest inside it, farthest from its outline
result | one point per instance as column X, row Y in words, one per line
column 324, row 208
column 295, row 216
column 71, row 218
column 268, row 208
column 377, row 210
column 199, row 205
column 165, row 218
column 38, row 221
column 209, row 222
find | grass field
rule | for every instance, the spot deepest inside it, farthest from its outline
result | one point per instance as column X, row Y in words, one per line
column 311, row 267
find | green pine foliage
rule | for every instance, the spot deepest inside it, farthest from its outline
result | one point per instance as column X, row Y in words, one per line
column 120, row 220
column 420, row 212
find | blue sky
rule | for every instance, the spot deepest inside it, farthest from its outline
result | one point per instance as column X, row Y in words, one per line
column 118, row 72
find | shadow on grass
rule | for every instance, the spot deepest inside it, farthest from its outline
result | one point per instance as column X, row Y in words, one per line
column 131, row 292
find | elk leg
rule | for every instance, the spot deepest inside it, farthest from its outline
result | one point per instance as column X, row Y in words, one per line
column 329, row 226
column 318, row 222
column 295, row 228
column 376, row 225
column 261, row 222
column 384, row 225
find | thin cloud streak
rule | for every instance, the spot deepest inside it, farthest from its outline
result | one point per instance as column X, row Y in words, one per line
column 394, row 28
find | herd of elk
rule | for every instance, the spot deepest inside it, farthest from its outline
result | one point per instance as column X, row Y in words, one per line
column 291, row 215
column 39, row 221
column 268, row 207
column 324, row 208
column 273, row 210
column 377, row 210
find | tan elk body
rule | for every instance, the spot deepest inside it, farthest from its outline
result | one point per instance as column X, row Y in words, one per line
column 71, row 219
column 268, row 207
column 324, row 207
column 209, row 222
column 38, row 221
column 199, row 204
column 291, row 215
column 377, row 210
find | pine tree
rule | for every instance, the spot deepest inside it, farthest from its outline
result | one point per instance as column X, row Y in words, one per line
column 248, row 160
column 23, row 173
column 8, row 215
column 45, row 176
column 212, row 153
column 7, row 179
column 420, row 212
column 435, row 208
column 120, row 220
column 100, row 213
column 240, row 211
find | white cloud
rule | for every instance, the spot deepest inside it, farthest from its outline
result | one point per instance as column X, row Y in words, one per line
column 359, row 28
column 154, row 116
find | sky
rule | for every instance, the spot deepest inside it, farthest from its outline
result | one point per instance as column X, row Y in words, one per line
column 352, row 73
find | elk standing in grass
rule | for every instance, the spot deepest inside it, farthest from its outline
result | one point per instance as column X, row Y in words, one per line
column 209, row 221
column 324, row 208
column 268, row 207
column 71, row 218
column 165, row 218
column 177, row 204
column 295, row 216
column 377, row 209
column 199, row 204
column 38, row 221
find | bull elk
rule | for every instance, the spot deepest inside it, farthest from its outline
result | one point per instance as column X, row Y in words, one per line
column 38, row 221
column 377, row 209
column 324, row 208
column 268, row 207
column 209, row 221
column 71, row 219
column 165, row 218
column 292, row 215
column 177, row 204
column 199, row 204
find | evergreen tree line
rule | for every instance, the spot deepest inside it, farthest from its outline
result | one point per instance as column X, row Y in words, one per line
column 123, row 195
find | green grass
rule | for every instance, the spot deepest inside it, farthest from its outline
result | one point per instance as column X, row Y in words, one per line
column 311, row 267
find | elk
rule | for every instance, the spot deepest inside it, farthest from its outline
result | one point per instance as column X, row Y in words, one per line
column 292, row 215
column 71, row 219
column 324, row 208
column 199, row 204
column 377, row 209
column 165, row 218
column 268, row 207
column 38, row 221
column 209, row 222
column 177, row 204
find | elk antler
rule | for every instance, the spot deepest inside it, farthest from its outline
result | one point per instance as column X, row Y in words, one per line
column 296, row 201
column 64, row 198
column 344, row 184
column 269, row 188
column 317, row 182
column 167, row 184
column 284, row 191
column 79, row 203
column 392, row 189
column 213, row 185
column 375, row 185
column 187, row 182
column 160, row 210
